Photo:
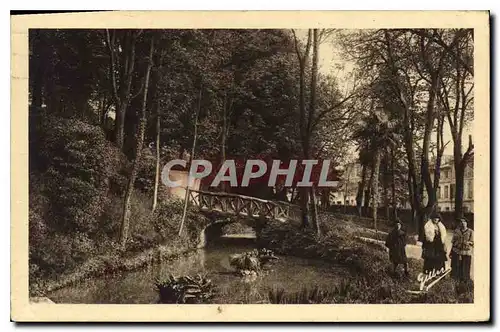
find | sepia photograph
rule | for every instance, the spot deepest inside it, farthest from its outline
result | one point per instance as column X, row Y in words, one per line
column 308, row 164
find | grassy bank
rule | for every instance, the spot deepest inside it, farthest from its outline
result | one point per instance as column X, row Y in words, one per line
column 162, row 244
column 107, row 264
column 77, row 184
column 371, row 281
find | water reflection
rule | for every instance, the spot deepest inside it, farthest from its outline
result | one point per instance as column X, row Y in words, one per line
column 289, row 273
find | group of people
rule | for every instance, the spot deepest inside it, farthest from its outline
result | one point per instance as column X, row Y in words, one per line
column 434, row 251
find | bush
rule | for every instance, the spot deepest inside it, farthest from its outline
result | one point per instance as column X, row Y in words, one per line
column 146, row 174
column 142, row 234
column 167, row 220
column 77, row 182
column 72, row 166
column 59, row 252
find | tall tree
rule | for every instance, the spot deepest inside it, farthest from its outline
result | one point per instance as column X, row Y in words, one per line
column 310, row 116
column 361, row 189
column 376, row 134
column 158, row 157
column 302, row 56
column 312, row 110
column 125, row 223
column 456, row 97
column 122, row 55
column 409, row 65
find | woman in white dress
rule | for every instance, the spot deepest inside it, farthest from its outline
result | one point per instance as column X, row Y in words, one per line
column 433, row 247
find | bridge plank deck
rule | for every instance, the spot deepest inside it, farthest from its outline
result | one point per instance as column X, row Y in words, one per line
column 247, row 206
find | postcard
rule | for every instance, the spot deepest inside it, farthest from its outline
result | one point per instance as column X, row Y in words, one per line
column 250, row 166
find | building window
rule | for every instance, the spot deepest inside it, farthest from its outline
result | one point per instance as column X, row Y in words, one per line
column 339, row 203
column 466, row 209
column 445, row 191
column 470, row 189
column 469, row 172
column 438, row 192
column 447, row 208
column 439, row 208
column 452, row 191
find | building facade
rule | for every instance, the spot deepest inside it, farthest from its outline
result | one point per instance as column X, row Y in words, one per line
column 446, row 191
column 351, row 177
column 345, row 193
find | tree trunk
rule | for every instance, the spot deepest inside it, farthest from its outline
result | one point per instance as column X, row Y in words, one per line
column 460, row 163
column 386, row 199
column 385, row 186
column 375, row 191
column 346, row 191
column 412, row 200
column 135, row 165
column 408, row 131
column 302, row 57
column 459, row 189
column 158, row 149
column 325, row 198
column 120, row 124
column 103, row 111
column 368, row 193
column 304, row 202
column 456, row 121
column 393, row 185
column 429, row 125
column 191, row 157
column 440, row 150
column 361, row 189
column 312, row 109
column 314, row 212
column 121, row 90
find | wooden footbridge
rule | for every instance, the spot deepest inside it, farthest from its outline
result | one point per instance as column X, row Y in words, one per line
column 244, row 206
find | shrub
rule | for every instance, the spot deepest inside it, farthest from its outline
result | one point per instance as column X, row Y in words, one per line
column 77, row 181
column 75, row 163
column 59, row 252
column 71, row 167
column 146, row 174
column 142, row 231
column 167, row 219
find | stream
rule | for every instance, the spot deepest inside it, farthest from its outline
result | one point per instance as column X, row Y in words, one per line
column 289, row 273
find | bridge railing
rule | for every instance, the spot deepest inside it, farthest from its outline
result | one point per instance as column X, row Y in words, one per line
column 228, row 203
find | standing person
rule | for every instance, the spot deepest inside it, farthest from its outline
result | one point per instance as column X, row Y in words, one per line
column 433, row 250
column 461, row 251
column 396, row 242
